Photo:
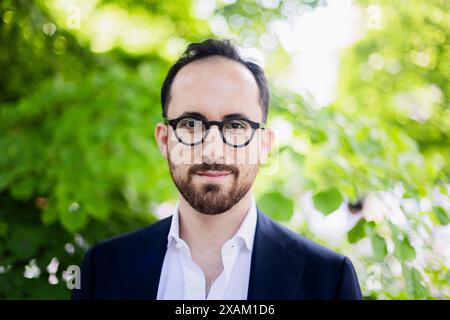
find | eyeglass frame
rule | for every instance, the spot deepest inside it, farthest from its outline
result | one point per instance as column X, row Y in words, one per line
column 208, row 124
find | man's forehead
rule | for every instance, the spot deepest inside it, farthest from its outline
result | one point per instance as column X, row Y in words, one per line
column 214, row 65
column 215, row 87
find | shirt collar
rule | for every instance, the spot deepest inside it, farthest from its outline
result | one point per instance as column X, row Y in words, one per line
column 174, row 232
column 246, row 230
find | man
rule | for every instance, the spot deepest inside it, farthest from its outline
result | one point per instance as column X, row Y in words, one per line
column 217, row 244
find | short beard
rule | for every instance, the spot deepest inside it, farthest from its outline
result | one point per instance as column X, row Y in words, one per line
column 211, row 198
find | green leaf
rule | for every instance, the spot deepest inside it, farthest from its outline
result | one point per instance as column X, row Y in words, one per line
column 74, row 221
column 24, row 242
column 298, row 158
column 23, row 189
column 5, row 179
column 318, row 136
column 328, row 201
column 379, row 246
column 414, row 283
column 277, row 205
column 357, row 232
column 49, row 215
column 369, row 228
column 441, row 215
column 403, row 250
column 3, row 229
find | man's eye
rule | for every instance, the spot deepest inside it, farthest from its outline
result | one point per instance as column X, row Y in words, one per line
column 190, row 124
column 235, row 125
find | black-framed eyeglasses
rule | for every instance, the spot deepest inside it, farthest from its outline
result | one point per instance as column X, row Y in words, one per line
column 235, row 132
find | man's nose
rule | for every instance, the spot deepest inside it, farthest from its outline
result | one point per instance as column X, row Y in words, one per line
column 213, row 147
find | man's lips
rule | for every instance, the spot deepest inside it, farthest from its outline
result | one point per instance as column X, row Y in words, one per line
column 213, row 173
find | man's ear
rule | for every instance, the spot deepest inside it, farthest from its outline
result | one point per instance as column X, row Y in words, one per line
column 161, row 136
column 267, row 143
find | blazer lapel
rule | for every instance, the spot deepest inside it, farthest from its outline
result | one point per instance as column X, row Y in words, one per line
column 275, row 271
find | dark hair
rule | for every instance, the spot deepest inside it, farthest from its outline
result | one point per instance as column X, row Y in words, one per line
column 211, row 47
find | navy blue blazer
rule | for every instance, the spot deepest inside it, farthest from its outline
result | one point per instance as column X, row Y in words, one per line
column 284, row 266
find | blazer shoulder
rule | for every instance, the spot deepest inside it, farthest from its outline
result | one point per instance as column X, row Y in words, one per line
column 325, row 268
column 134, row 237
column 305, row 247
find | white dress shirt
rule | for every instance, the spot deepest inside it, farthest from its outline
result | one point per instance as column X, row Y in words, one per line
column 182, row 279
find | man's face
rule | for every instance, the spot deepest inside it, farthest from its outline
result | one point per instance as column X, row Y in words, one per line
column 214, row 176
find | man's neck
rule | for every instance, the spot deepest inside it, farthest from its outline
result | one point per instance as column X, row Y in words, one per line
column 209, row 232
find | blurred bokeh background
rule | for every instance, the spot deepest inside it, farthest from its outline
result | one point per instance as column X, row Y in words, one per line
column 360, row 103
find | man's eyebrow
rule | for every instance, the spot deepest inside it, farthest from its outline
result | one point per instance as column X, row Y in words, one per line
column 236, row 115
column 193, row 114
column 199, row 115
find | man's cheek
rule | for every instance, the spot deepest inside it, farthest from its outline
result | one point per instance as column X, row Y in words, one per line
column 180, row 154
column 246, row 155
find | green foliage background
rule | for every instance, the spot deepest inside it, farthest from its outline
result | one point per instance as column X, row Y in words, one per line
column 78, row 160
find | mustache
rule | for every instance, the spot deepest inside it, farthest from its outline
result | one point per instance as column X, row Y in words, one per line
column 213, row 167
